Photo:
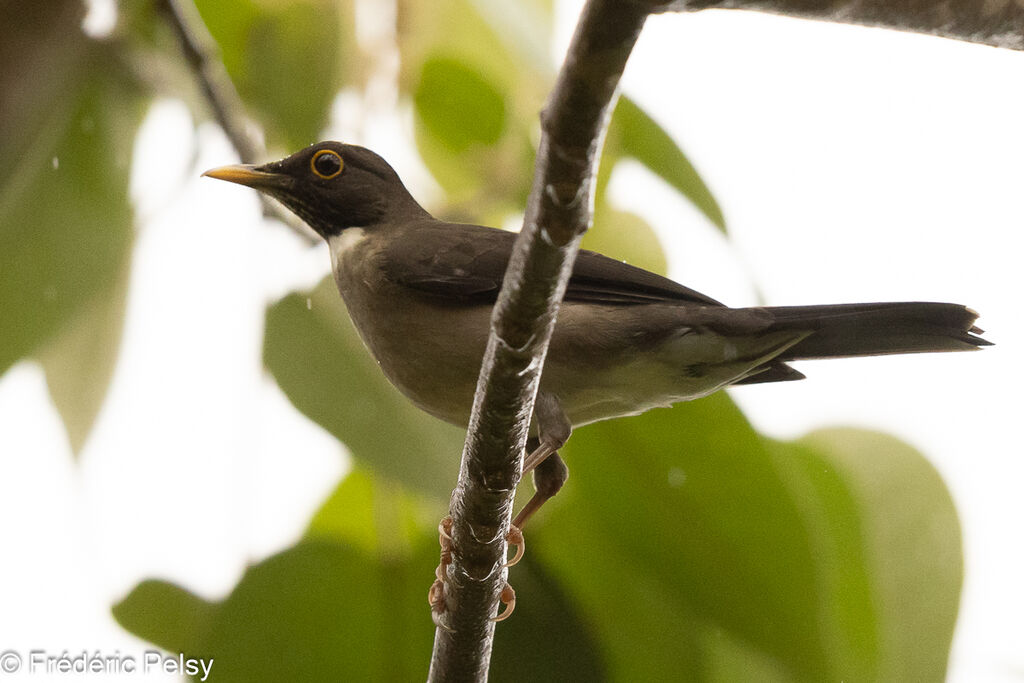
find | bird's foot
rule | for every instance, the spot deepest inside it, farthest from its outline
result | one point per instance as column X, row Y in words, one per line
column 508, row 595
column 435, row 596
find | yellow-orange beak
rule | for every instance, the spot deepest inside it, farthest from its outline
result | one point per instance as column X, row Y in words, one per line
column 248, row 175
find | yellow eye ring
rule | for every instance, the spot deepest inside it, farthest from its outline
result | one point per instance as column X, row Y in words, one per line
column 326, row 164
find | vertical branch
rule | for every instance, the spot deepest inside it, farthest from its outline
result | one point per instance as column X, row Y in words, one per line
column 559, row 211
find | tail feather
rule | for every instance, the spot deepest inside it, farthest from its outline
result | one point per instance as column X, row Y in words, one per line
column 845, row 330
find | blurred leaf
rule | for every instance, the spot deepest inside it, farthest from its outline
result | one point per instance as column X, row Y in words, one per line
column 484, row 35
column 63, row 228
column 347, row 515
column 318, row 611
column 625, row 236
column 166, row 615
column 546, row 639
column 45, row 55
column 689, row 478
column 733, row 546
column 633, row 133
column 65, row 219
column 458, row 105
column 285, row 59
column 913, row 557
column 321, row 610
column 325, row 610
column 375, row 515
column 476, row 100
column 319, row 361
column 525, row 29
column 65, row 223
column 80, row 362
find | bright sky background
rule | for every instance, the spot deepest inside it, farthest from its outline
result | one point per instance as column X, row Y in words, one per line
column 852, row 165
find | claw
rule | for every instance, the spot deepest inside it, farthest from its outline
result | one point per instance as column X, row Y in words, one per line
column 437, row 605
column 435, row 596
column 515, row 537
column 442, row 569
column 508, row 598
column 444, row 528
column 440, row 572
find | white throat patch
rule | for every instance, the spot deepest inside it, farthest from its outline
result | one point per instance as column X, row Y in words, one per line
column 343, row 242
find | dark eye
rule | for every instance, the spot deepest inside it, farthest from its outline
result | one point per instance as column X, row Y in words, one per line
column 327, row 164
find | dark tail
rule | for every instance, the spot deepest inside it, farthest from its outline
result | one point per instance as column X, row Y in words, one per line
column 875, row 329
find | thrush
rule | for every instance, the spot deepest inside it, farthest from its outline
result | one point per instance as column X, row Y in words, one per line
column 420, row 292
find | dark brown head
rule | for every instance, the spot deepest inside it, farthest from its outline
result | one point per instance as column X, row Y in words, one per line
column 330, row 185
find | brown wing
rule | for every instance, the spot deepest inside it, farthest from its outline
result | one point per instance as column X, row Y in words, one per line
column 465, row 264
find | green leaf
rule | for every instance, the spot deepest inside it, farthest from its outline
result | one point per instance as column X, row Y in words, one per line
column 461, row 117
column 739, row 558
column 625, row 236
column 487, row 37
column 458, row 105
column 476, row 133
column 79, row 363
column 66, row 222
column 666, row 499
column 166, row 615
column 633, row 133
column 319, row 611
column 317, row 358
column 43, row 40
column 348, row 514
column 546, row 639
column 322, row 610
column 913, row 558
column 285, row 59
column 375, row 515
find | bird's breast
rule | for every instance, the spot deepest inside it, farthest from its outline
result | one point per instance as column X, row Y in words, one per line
column 430, row 352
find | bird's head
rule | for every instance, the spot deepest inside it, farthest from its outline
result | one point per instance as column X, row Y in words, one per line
column 329, row 185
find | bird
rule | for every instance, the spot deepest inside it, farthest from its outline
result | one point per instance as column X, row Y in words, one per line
column 420, row 292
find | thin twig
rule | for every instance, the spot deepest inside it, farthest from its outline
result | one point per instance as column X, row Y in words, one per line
column 200, row 52
column 558, row 212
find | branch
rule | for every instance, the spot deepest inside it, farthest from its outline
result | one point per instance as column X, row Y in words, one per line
column 992, row 22
column 558, row 212
column 200, row 52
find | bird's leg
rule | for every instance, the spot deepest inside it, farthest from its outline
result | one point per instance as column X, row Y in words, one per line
column 553, row 430
column 549, row 471
column 549, row 474
column 548, row 478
